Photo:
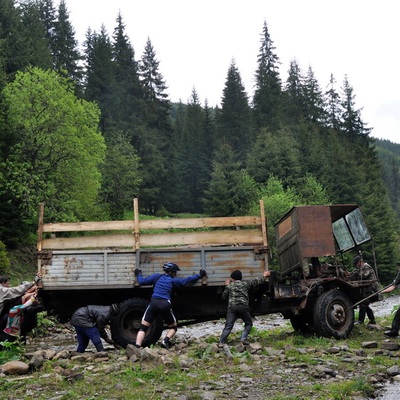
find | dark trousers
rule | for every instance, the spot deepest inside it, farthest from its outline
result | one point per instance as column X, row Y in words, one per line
column 396, row 321
column 86, row 334
column 366, row 309
column 233, row 313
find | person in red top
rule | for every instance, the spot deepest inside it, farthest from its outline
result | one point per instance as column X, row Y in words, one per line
column 15, row 318
column 11, row 296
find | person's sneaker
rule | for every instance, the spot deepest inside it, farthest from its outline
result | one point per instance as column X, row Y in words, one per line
column 166, row 344
column 221, row 345
column 391, row 333
column 358, row 323
column 245, row 342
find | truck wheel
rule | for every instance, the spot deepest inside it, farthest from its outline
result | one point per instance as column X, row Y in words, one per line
column 332, row 317
column 125, row 326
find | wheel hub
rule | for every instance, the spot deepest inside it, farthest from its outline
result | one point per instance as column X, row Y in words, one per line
column 337, row 315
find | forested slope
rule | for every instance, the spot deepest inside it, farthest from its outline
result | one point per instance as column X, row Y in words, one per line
column 86, row 129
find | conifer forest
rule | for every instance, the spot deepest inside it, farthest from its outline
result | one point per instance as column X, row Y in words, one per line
column 86, row 128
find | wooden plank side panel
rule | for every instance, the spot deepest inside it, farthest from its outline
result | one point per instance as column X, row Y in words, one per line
column 87, row 242
column 187, row 223
column 89, row 226
column 184, row 223
column 248, row 236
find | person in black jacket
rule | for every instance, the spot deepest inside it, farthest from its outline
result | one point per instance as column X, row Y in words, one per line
column 394, row 331
column 90, row 323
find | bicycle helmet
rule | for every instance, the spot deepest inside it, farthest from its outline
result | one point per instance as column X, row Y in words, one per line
column 170, row 267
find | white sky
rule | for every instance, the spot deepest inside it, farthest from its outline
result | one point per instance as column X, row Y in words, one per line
column 195, row 42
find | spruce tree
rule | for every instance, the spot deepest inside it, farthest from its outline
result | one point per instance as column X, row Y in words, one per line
column 274, row 154
column 65, row 47
column 268, row 92
column 158, row 106
column 294, row 90
column 156, row 116
column 100, row 74
column 193, row 139
column 127, row 93
column 231, row 190
column 332, row 105
column 314, row 99
column 234, row 119
column 48, row 16
column 351, row 124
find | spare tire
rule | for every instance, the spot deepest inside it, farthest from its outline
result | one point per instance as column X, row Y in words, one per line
column 125, row 326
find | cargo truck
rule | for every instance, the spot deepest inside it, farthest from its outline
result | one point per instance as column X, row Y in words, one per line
column 93, row 263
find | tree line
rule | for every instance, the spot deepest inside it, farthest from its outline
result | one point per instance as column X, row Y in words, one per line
column 86, row 130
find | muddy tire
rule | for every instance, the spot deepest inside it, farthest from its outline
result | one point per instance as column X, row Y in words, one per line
column 332, row 315
column 125, row 326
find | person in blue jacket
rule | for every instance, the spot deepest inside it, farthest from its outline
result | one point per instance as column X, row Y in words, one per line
column 160, row 303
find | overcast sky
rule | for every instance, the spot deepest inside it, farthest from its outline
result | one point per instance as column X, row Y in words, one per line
column 195, row 42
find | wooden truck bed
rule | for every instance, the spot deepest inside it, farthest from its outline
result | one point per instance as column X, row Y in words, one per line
column 104, row 255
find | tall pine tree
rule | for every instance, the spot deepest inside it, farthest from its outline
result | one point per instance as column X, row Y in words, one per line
column 234, row 119
column 268, row 92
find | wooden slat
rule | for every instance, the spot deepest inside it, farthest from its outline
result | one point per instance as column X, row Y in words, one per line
column 40, row 226
column 89, row 226
column 187, row 223
column 248, row 236
column 86, row 242
column 184, row 223
column 263, row 222
column 137, row 223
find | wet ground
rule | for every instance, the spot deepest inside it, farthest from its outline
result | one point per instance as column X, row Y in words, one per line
column 65, row 339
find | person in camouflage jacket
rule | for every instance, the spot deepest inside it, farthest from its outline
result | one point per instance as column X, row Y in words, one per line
column 237, row 293
column 364, row 272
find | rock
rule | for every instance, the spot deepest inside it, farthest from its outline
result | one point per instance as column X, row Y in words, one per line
column 82, row 357
column 393, row 371
column 320, row 369
column 255, row 347
column 37, row 360
column 14, row 368
column 100, row 354
column 208, row 395
column 74, row 377
column 227, row 351
column 333, row 350
column 391, row 346
column 132, row 350
column 64, row 354
column 369, row 345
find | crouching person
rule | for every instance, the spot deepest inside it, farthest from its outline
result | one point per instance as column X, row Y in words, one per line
column 90, row 324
